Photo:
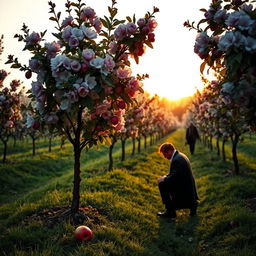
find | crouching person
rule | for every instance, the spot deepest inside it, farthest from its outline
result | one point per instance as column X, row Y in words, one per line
column 177, row 189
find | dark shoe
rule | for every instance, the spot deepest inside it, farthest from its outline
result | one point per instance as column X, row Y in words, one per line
column 193, row 210
column 166, row 214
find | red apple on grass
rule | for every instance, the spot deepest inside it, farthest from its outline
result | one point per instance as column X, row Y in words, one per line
column 83, row 233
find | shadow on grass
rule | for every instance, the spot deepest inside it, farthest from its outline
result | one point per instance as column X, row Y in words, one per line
column 175, row 237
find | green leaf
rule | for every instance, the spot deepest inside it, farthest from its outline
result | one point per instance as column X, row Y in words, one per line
column 134, row 18
column 107, row 80
column 15, row 66
column 57, row 36
column 129, row 18
column 218, row 32
column 117, row 22
column 228, row 6
column 108, row 22
column 148, row 44
column 141, row 89
column 104, row 33
column 53, row 18
column 136, row 58
column 202, row 66
column 104, row 23
column 107, row 141
column 114, row 12
column 201, row 21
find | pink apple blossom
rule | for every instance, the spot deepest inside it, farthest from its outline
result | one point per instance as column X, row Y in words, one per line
column 67, row 32
column 123, row 73
column 131, row 28
column 73, row 41
column 120, row 32
column 97, row 25
column 75, row 65
column 33, row 38
column 67, row 21
column 112, row 47
column 3, row 75
column 141, row 22
column 83, row 91
column 88, row 13
column 88, row 54
column 109, row 63
column 52, row 49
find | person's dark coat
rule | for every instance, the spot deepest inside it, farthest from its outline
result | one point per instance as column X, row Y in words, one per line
column 191, row 136
column 181, row 182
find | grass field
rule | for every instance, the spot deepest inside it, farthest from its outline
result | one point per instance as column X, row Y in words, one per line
column 123, row 203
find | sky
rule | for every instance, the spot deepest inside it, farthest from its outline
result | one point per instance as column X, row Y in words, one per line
column 172, row 65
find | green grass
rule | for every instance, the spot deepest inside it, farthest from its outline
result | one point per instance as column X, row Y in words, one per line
column 128, row 200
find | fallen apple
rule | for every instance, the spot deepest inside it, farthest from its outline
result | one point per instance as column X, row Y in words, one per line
column 83, row 233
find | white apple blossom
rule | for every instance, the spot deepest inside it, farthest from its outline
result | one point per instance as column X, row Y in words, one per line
column 220, row 16
column 244, row 21
column 78, row 33
column 250, row 44
column 88, row 54
column 227, row 87
column 2, row 98
column 37, row 88
column 227, row 41
column 89, row 33
column 29, row 121
column 65, row 104
column 90, row 81
column 97, row 62
column 233, row 19
column 57, row 61
column 240, row 40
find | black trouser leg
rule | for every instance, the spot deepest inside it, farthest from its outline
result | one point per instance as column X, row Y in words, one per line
column 166, row 199
column 192, row 148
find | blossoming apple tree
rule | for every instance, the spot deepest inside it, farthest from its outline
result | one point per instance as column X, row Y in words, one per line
column 10, row 105
column 227, row 44
column 218, row 115
column 84, row 82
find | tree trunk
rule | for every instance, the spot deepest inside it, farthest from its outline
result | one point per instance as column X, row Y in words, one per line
column 62, row 142
column 77, row 172
column 123, row 149
column 14, row 141
column 110, row 154
column 210, row 143
column 218, row 146
column 234, row 153
column 145, row 142
column 77, row 179
column 34, row 145
column 223, row 150
column 5, row 150
column 50, row 144
column 133, row 146
column 138, row 144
